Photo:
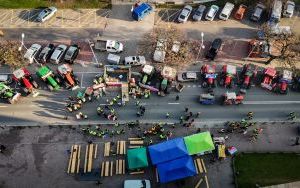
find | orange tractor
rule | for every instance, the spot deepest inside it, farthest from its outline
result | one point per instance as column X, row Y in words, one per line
column 66, row 73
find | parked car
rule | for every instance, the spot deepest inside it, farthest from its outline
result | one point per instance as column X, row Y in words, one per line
column 199, row 13
column 46, row 14
column 135, row 60
column 276, row 12
column 214, row 49
column 185, row 13
column 46, row 53
column 137, row 184
column 32, row 52
column 240, row 13
column 258, row 11
column 72, row 53
column 212, row 12
column 113, row 59
column 186, row 76
column 6, row 79
column 289, row 8
column 226, row 11
column 58, row 53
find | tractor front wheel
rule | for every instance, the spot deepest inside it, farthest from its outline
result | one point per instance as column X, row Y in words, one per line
column 50, row 87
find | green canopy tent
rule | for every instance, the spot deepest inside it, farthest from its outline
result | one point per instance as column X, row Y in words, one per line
column 199, row 143
column 137, row 158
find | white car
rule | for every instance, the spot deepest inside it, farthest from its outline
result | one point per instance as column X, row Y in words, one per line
column 135, row 60
column 186, row 76
column 137, row 184
column 32, row 52
column 210, row 16
column 185, row 13
column 46, row 14
column 289, row 8
column 58, row 53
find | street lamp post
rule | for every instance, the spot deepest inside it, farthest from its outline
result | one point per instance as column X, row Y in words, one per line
column 22, row 41
column 202, row 45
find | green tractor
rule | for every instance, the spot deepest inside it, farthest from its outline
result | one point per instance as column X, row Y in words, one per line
column 48, row 76
column 8, row 93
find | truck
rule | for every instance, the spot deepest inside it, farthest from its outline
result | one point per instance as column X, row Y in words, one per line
column 141, row 10
column 111, row 46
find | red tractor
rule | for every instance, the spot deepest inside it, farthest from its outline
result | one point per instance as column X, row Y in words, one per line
column 230, row 98
column 269, row 75
column 24, row 79
column 283, row 82
column 249, row 72
column 66, row 73
column 208, row 73
column 227, row 76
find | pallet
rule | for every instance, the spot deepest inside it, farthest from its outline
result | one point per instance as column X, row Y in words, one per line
column 74, row 160
column 206, row 181
column 121, row 147
column 90, row 154
column 204, row 168
column 106, row 149
column 120, row 166
column 107, row 168
column 134, row 139
column 136, row 142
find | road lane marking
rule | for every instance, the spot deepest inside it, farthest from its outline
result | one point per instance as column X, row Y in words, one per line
column 271, row 102
column 3, row 106
column 173, row 103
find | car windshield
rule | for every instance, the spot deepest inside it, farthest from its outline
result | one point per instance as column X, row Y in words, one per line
column 117, row 45
column 197, row 13
column 182, row 16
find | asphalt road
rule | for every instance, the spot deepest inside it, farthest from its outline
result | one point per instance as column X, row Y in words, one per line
column 48, row 108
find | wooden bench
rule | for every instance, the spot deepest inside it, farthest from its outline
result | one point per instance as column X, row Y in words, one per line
column 74, row 160
column 107, row 168
column 120, row 166
column 121, row 147
column 106, row 149
column 90, row 154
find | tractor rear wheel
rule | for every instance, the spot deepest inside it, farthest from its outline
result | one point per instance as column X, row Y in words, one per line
column 35, row 85
column 26, row 91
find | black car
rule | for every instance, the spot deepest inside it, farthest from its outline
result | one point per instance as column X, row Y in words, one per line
column 46, row 53
column 72, row 53
column 215, row 47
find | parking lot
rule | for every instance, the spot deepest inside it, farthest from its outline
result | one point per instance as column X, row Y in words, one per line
column 64, row 18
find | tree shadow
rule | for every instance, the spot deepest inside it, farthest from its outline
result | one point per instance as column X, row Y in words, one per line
column 29, row 15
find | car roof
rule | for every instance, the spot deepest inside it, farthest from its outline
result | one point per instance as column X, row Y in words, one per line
column 217, row 43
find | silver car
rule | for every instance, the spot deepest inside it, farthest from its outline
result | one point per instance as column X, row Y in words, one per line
column 58, row 53
column 185, row 13
column 46, row 14
column 32, row 52
column 210, row 16
column 199, row 13
column 135, row 60
column 289, row 9
column 186, row 76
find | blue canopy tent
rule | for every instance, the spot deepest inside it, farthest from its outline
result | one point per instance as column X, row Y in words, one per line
column 167, row 151
column 176, row 169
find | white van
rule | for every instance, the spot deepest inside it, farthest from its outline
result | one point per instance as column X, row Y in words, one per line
column 226, row 11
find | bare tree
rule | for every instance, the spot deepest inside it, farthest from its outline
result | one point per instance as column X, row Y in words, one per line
column 169, row 35
column 10, row 54
column 284, row 47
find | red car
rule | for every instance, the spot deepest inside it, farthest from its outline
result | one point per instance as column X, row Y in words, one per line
column 24, row 79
